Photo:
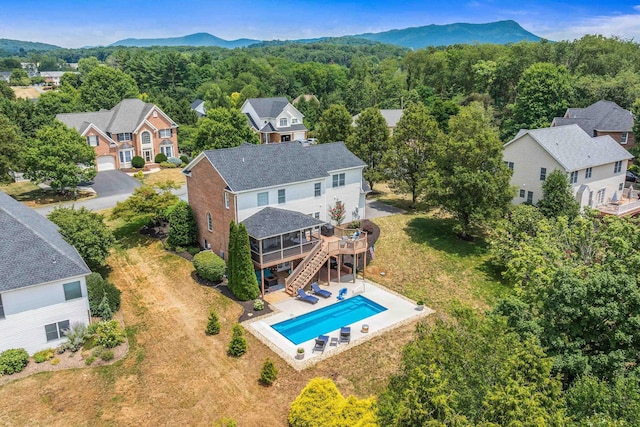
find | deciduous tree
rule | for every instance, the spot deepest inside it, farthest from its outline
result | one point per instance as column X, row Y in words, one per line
column 369, row 141
column 412, row 153
column 10, row 147
column 222, row 128
column 104, row 87
column 557, row 197
column 86, row 231
column 335, row 124
column 59, row 156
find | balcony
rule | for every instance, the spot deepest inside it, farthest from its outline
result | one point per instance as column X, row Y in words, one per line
column 627, row 205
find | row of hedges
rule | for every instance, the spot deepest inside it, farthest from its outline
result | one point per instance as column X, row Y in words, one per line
column 138, row 162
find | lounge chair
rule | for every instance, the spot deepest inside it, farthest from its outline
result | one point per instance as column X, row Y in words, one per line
column 321, row 343
column 307, row 298
column 342, row 294
column 321, row 292
column 345, row 334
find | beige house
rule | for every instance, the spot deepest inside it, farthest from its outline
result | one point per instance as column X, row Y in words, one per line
column 595, row 167
column 392, row 117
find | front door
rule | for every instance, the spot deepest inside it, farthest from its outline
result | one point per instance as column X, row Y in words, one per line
column 146, row 154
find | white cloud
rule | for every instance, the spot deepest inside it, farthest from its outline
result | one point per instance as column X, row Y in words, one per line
column 625, row 26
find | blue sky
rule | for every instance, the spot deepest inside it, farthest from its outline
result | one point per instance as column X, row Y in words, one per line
column 76, row 23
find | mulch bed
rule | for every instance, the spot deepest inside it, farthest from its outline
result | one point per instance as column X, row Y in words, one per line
column 247, row 306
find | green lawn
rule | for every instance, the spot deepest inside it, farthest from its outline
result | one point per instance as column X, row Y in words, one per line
column 422, row 258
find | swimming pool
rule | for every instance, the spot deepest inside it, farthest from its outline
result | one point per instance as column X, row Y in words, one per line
column 327, row 319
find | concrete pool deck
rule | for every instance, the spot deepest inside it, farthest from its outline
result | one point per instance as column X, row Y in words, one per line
column 400, row 310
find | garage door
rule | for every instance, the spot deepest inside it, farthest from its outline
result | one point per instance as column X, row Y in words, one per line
column 299, row 136
column 106, row 163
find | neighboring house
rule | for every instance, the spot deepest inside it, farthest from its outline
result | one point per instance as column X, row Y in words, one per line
column 131, row 128
column 198, row 107
column 30, row 68
column 53, row 77
column 275, row 119
column 42, row 289
column 307, row 98
column 281, row 192
column 392, row 117
column 5, row 75
column 602, row 118
column 595, row 167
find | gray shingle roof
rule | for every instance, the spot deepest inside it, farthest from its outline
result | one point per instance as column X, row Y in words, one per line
column 273, row 222
column 268, row 107
column 574, row 149
column 32, row 250
column 123, row 118
column 602, row 116
column 270, row 128
column 250, row 166
column 392, row 117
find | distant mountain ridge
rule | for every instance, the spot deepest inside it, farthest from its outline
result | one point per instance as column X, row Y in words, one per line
column 15, row 45
column 197, row 39
column 500, row 32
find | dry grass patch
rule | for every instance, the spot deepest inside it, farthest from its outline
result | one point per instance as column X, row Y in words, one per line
column 422, row 258
column 26, row 92
column 169, row 174
column 34, row 196
column 173, row 370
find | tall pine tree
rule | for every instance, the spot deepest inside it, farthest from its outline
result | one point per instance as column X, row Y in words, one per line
column 231, row 256
column 244, row 276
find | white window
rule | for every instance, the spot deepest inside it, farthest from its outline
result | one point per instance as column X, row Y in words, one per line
column 167, row 150
column 146, row 138
column 294, row 121
column 226, row 200
column 155, row 113
column 316, row 215
column 72, row 291
column 543, row 174
column 282, row 197
column 617, row 167
column 587, row 173
column 574, row 177
column 530, row 197
column 621, row 186
column 92, row 140
column 209, row 223
column 600, row 197
column 283, row 122
column 317, row 189
column 124, row 137
column 56, row 331
column 165, row 133
column 125, row 156
column 623, row 138
column 263, row 199
column 1, row 308
column 522, row 193
column 338, row 180
column 509, row 165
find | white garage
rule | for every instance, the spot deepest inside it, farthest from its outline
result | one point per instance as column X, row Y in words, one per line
column 106, row 163
column 299, row 135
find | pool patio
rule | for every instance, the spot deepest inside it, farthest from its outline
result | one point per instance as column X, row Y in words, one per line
column 400, row 310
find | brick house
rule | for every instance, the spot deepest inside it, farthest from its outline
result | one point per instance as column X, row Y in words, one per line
column 131, row 128
column 281, row 192
column 602, row 118
column 275, row 119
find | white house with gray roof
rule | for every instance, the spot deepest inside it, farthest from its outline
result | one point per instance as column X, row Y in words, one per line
column 42, row 287
column 595, row 166
column 275, row 119
column 392, row 117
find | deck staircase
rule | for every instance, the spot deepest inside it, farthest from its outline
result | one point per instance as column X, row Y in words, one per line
column 308, row 267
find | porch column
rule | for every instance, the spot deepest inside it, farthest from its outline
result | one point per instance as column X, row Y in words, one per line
column 329, row 271
column 262, row 279
column 339, row 266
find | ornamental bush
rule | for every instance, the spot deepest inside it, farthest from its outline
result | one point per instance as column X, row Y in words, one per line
column 13, row 361
column 168, row 165
column 213, row 326
column 75, row 337
column 137, row 162
column 268, row 373
column 43, row 355
column 182, row 225
column 238, row 344
column 109, row 334
column 184, row 159
column 174, row 160
column 160, row 157
column 209, row 266
column 97, row 288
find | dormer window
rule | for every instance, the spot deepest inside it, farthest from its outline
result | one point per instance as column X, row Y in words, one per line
column 294, row 121
column 283, row 122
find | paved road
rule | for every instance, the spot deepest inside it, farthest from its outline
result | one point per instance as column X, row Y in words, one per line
column 377, row 209
column 112, row 183
column 107, row 202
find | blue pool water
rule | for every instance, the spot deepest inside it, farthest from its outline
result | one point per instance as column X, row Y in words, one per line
column 327, row 319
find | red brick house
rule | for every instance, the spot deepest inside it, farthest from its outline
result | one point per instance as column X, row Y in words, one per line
column 131, row 128
column 602, row 118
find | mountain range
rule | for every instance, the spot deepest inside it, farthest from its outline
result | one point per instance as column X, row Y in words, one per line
column 500, row 32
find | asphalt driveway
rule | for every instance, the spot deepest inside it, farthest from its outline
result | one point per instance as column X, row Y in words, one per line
column 377, row 209
column 112, row 183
